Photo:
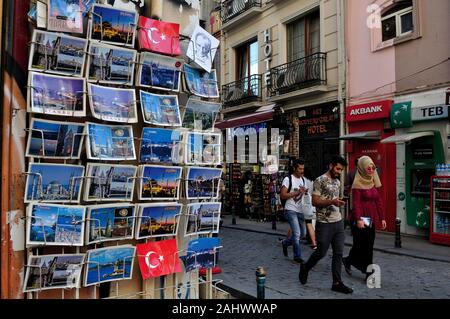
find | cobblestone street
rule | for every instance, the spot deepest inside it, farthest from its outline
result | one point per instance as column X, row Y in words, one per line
column 401, row 276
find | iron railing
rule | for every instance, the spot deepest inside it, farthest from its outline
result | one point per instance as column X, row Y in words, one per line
column 302, row 73
column 232, row 8
column 245, row 90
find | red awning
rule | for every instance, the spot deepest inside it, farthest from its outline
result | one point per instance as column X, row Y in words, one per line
column 265, row 114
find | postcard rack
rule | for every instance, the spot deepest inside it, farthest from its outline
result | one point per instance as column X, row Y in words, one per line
column 45, row 139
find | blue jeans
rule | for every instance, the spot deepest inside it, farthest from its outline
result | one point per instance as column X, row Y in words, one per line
column 297, row 222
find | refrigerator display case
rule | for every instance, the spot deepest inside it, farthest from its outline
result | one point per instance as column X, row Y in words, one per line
column 440, row 210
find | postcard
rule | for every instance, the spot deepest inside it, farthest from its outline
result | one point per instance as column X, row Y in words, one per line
column 109, row 264
column 203, row 183
column 111, row 25
column 105, row 182
column 65, row 15
column 110, row 222
column 54, row 94
column 55, row 225
column 159, row 72
column 203, row 218
column 51, row 139
column 110, row 64
column 112, row 104
column 200, row 115
column 202, row 48
column 110, row 142
column 159, row 36
column 158, row 258
column 158, row 220
column 201, row 83
column 160, row 182
column 162, row 110
column 53, row 183
column 160, row 145
column 57, row 53
column 53, row 272
column 203, row 148
column 201, row 253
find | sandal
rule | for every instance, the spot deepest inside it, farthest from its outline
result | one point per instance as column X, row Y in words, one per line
column 313, row 247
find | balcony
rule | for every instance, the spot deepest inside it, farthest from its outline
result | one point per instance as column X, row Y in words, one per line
column 307, row 72
column 232, row 11
column 243, row 91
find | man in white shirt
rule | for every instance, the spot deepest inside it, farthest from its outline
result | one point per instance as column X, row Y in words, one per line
column 292, row 192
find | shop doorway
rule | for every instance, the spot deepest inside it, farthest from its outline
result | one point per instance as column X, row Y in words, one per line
column 317, row 154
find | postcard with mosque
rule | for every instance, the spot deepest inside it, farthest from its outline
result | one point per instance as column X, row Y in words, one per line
column 200, row 82
column 109, row 182
column 158, row 220
column 109, row 264
column 56, row 95
column 55, row 225
column 161, row 110
column 203, row 182
column 110, row 222
column 53, row 272
column 53, row 183
column 112, row 25
column 52, row 139
column 110, row 142
column 57, row 53
column 110, row 64
column 113, row 104
column 160, row 182
column 159, row 72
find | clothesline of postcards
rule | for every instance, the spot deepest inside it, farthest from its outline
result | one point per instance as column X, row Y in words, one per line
column 97, row 64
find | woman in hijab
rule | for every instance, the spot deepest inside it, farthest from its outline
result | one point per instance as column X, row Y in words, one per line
column 367, row 213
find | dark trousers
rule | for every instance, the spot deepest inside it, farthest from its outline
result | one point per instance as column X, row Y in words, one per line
column 361, row 253
column 326, row 234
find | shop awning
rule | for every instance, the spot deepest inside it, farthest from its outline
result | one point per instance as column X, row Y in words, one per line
column 263, row 114
column 366, row 135
column 403, row 138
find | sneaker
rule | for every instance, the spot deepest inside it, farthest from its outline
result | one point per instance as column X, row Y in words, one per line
column 340, row 287
column 299, row 260
column 347, row 266
column 303, row 274
column 285, row 249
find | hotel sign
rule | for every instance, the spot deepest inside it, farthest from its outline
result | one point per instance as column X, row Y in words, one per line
column 368, row 111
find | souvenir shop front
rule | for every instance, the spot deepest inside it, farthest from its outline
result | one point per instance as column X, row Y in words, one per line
column 247, row 153
column 367, row 125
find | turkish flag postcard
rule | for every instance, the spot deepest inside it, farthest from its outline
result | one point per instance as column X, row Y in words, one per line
column 158, row 258
column 159, row 36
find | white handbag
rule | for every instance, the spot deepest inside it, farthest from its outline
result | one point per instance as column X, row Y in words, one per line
column 306, row 206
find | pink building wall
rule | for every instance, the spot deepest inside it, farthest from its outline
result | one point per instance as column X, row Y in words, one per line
column 370, row 75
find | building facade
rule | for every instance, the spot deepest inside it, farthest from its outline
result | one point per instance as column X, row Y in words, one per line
column 397, row 113
column 283, row 65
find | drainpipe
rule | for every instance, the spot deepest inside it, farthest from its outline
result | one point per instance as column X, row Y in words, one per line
column 341, row 77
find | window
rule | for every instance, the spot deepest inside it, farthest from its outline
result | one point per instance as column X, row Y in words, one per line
column 397, row 21
column 303, row 36
column 247, row 59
